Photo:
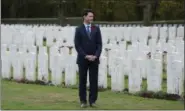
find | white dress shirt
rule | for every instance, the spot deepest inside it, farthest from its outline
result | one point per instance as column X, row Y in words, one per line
column 86, row 26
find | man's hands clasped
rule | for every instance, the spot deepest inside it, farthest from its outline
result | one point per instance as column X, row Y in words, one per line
column 90, row 57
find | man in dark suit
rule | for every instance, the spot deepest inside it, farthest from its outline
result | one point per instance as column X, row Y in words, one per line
column 88, row 44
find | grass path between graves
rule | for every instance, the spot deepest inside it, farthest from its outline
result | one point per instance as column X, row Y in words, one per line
column 19, row 96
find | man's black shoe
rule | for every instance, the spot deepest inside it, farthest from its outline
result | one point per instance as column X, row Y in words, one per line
column 93, row 105
column 83, row 105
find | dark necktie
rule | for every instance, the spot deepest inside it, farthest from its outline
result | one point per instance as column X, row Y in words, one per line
column 88, row 31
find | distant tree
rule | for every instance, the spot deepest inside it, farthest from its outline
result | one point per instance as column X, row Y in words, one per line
column 105, row 10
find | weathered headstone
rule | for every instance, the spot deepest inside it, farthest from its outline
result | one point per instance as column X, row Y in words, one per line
column 56, row 70
column 135, row 76
column 6, row 64
column 102, row 75
column 43, row 65
column 18, row 66
column 154, row 79
column 70, row 71
column 30, row 66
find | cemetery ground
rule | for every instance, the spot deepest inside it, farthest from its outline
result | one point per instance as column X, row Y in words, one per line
column 19, row 96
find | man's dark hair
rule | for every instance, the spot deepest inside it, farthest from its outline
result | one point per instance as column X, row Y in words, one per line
column 86, row 11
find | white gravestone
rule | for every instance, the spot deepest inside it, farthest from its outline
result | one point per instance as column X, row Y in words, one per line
column 6, row 36
column 117, row 79
column 33, row 49
column 109, row 61
column 112, row 55
column 172, row 33
column 39, row 37
column 127, row 33
column 13, row 51
column 157, row 54
column 74, row 53
column 113, row 76
column 49, row 37
column 102, row 75
column 18, row 66
column 180, row 31
column 177, row 82
column 174, row 74
column 135, row 78
column 163, row 32
column 64, row 51
column 6, row 64
column 70, row 71
column 128, row 61
column 23, row 49
column 43, row 65
column 4, row 48
column 17, row 38
column 154, row 32
column 30, row 67
column 52, row 52
column 56, row 70
column 154, row 77
column 29, row 38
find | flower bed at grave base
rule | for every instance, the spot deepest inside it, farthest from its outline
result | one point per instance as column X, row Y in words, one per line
column 144, row 93
column 159, row 95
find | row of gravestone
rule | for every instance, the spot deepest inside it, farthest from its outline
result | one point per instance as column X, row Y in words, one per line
column 64, row 36
column 100, row 25
column 119, row 60
column 33, row 60
column 113, row 65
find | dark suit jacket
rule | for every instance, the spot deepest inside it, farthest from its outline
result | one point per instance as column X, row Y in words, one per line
column 86, row 45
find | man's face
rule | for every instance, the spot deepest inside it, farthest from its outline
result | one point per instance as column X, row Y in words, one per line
column 89, row 18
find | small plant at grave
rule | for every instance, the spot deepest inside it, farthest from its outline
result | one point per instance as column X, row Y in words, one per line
column 160, row 95
column 21, row 80
column 67, row 86
column 7, row 79
column 28, row 81
column 50, row 83
column 126, row 76
column 101, row 89
column 129, row 42
column 44, row 39
column 109, row 87
column 63, row 84
column 145, row 94
column 11, row 78
column 126, row 90
column 172, row 97
column 40, row 82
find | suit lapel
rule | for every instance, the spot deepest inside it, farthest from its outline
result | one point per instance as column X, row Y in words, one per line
column 93, row 31
column 93, row 28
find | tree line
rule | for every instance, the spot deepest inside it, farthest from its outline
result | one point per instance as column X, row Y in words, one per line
column 105, row 10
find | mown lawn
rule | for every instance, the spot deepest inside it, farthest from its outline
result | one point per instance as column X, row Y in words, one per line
column 30, row 96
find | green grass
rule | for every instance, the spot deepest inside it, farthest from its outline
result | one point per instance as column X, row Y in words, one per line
column 29, row 97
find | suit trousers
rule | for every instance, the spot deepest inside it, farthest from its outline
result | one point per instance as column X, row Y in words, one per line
column 93, row 79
